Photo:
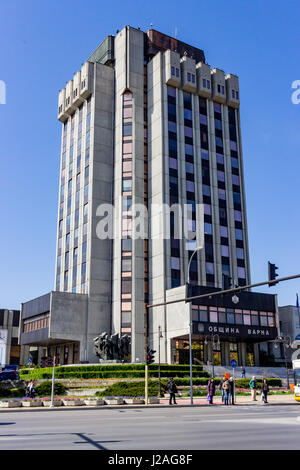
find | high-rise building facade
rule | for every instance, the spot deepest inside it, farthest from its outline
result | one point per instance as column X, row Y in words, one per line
column 146, row 123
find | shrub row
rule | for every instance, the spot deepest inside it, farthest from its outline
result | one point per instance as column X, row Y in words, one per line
column 137, row 389
column 71, row 374
column 12, row 393
column 108, row 368
column 45, row 389
column 131, row 389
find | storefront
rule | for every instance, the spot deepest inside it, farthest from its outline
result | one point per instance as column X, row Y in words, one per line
column 223, row 330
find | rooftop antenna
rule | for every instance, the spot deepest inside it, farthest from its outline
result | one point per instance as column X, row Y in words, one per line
column 176, row 32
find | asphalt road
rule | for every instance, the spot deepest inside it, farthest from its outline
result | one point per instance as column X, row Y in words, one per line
column 240, row 427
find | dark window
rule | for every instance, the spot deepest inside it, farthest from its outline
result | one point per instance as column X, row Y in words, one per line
column 16, row 318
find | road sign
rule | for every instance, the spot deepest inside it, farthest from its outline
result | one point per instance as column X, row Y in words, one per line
column 233, row 363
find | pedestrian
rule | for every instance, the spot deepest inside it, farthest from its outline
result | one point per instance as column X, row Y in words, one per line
column 211, row 390
column 31, row 390
column 172, row 389
column 226, row 388
column 231, row 383
column 265, row 390
column 253, row 387
column 243, row 372
column 221, row 388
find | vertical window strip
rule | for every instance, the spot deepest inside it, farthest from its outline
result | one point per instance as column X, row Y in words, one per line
column 126, row 293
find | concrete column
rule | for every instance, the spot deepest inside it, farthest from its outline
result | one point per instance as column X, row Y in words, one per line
column 227, row 354
column 243, row 354
column 256, row 355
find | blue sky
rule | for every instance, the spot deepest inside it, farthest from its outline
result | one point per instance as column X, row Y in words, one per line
column 44, row 43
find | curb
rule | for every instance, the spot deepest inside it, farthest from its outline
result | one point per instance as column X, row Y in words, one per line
column 132, row 407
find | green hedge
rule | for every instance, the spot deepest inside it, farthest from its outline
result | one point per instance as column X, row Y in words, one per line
column 45, row 389
column 131, row 389
column 12, row 393
column 137, row 389
column 105, row 372
column 109, row 368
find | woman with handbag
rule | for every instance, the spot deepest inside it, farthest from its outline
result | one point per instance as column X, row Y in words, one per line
column 211, row 390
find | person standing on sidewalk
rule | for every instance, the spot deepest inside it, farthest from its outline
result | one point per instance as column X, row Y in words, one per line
column 221, row 388
column 226, row 388
column 172, row 389
column 243, row 372
column 253, row 387
column 231, row 383
column 211, row 390
column 265, row 390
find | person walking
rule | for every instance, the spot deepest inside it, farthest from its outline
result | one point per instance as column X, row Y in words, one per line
column 265, row 390
column 226, row 388
column 172, row 389
column 231, row 383
column 243, row 372
column 211, row 390
column 221, row 388
column 253, row 387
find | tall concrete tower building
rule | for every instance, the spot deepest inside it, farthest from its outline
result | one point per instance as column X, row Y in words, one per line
column 145, row 122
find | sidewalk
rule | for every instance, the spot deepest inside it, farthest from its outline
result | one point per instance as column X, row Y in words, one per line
column 239, row 400
column 164, row 403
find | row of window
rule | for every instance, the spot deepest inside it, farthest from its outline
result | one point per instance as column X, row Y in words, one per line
column 233, row 316
column 33, row 325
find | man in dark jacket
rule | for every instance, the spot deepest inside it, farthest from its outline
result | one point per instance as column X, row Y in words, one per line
column 172, row 389
column 231, row 383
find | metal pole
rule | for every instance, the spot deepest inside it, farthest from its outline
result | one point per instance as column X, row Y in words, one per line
column 53, row 381
column 212, row 357
column 233, row 398
column 159, row 386
column 145, row 352
column 191, row 354
column 286, row 367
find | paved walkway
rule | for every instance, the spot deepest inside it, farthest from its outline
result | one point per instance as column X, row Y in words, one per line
column 164, row 402
column 239, row 400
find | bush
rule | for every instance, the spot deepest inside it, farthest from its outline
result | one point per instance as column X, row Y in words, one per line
column 131, row 389
column 244, row 383
column 17, row 392
column 114, row 371
column 45, row 389
column 5, row 392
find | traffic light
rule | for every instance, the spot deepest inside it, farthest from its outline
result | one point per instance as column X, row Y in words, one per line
column 150, row 356
column 272, row 273
column 227, row 282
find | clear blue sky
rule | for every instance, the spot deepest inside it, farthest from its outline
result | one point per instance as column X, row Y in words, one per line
column 43, row 43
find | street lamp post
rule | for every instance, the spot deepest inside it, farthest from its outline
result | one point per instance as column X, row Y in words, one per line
column 159, row 384
column 191, row 326
column 286, row 343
